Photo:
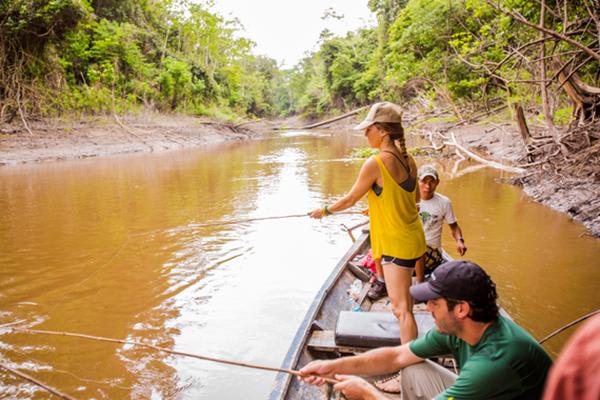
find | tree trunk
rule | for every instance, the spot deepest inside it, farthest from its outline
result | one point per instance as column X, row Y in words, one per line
column 522, row 123
column 585, row 98
column 543, row 86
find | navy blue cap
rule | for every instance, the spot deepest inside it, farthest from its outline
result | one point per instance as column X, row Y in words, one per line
column 458, row 280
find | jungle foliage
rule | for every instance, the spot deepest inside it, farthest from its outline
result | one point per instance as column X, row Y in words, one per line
column 105, row 56
column 463, row 54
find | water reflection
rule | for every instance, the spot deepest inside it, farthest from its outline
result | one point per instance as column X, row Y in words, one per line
column 118, row 247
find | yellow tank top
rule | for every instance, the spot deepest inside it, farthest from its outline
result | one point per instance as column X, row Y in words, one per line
column 396, row 228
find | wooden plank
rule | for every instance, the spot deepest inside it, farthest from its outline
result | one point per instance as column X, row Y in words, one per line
column 363, row 293
column 359, row 271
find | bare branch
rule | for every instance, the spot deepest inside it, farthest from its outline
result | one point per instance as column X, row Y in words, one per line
column 482, row 160
column 519, row 18
column 516, row 51
column 595, row 18
column 575, row 70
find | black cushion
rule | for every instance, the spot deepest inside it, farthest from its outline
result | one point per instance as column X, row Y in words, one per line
column 374, row 329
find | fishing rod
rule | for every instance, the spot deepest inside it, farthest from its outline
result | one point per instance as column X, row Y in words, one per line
column 567, row 326
column 37, row 382
column 241, row 221
column 349, row 230
column 169, row 351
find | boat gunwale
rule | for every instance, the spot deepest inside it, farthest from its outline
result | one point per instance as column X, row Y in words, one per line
column 282, row 380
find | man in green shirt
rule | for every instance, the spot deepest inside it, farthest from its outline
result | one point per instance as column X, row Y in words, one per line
column 497, row 359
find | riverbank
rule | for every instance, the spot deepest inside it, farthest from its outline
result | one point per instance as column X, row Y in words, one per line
column 54, row 140
column 578, row 198
column 575, row 195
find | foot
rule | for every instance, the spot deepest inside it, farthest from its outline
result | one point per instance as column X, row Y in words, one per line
column 393, row 384
column 377, row 290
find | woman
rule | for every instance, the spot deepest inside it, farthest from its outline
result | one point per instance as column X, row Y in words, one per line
column 390, row 179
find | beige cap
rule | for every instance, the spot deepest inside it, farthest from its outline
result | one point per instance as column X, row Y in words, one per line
column 381, row 112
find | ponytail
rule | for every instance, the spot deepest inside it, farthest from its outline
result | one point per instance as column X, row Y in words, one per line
column 396, row 132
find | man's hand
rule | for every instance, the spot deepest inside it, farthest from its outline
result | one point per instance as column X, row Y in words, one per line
column 353, row 387
column 314, row 372
column 460, row 246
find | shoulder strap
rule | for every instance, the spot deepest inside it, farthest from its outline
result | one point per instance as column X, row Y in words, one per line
column 410, row 182
column 399, row 159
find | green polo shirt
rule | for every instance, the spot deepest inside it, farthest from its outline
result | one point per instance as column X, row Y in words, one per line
column 506, row 363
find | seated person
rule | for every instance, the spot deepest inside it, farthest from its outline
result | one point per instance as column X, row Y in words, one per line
column 576, row 373
column 434, row 209
column 497, row 359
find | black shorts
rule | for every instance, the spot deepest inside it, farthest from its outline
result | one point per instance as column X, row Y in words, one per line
column 399, row 261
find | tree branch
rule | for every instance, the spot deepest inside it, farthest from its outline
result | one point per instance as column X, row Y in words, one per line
column 519, row 18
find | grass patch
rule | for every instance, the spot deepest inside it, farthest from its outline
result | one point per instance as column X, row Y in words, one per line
column 363, row 152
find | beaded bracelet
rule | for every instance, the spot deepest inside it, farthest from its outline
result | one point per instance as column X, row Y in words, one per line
column 326, row 211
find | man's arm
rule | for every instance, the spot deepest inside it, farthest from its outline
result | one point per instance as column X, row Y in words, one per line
column 380, row 361
column 458, row 236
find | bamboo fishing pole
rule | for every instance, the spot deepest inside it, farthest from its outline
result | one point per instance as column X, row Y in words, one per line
column 567, row 326
column 241, row 221
column 41, row 384
column 165, row 350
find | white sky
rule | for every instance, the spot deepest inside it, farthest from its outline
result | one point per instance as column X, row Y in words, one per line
column 286, row 29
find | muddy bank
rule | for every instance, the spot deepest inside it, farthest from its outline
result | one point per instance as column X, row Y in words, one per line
column 53, row 140
column 573, row 195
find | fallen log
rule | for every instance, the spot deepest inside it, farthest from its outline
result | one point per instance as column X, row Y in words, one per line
column 470, row 154
column 236, row 126
column 351, row 113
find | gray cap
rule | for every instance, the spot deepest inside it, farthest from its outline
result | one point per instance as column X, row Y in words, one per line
column 427, row 170
column 381, row 112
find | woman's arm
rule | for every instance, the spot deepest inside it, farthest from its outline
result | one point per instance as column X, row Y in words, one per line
column 367, row 176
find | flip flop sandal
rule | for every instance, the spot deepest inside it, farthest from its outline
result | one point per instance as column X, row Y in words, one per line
column 391, row 384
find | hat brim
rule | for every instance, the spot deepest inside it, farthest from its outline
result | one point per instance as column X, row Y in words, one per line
column 363, row 125
column 426, row 174
column 423, row 292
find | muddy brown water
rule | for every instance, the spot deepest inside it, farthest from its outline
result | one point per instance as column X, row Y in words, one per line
column 114, row 247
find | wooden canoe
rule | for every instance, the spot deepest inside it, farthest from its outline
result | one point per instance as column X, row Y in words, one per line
column 315, row 336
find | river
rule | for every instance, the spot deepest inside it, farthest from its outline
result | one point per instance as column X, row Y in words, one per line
column 119, row 247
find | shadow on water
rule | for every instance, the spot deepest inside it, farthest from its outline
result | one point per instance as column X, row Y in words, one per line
column 114, row 247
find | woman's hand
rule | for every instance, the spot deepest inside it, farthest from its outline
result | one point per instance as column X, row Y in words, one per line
column 317, row 213
column 365, row 212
